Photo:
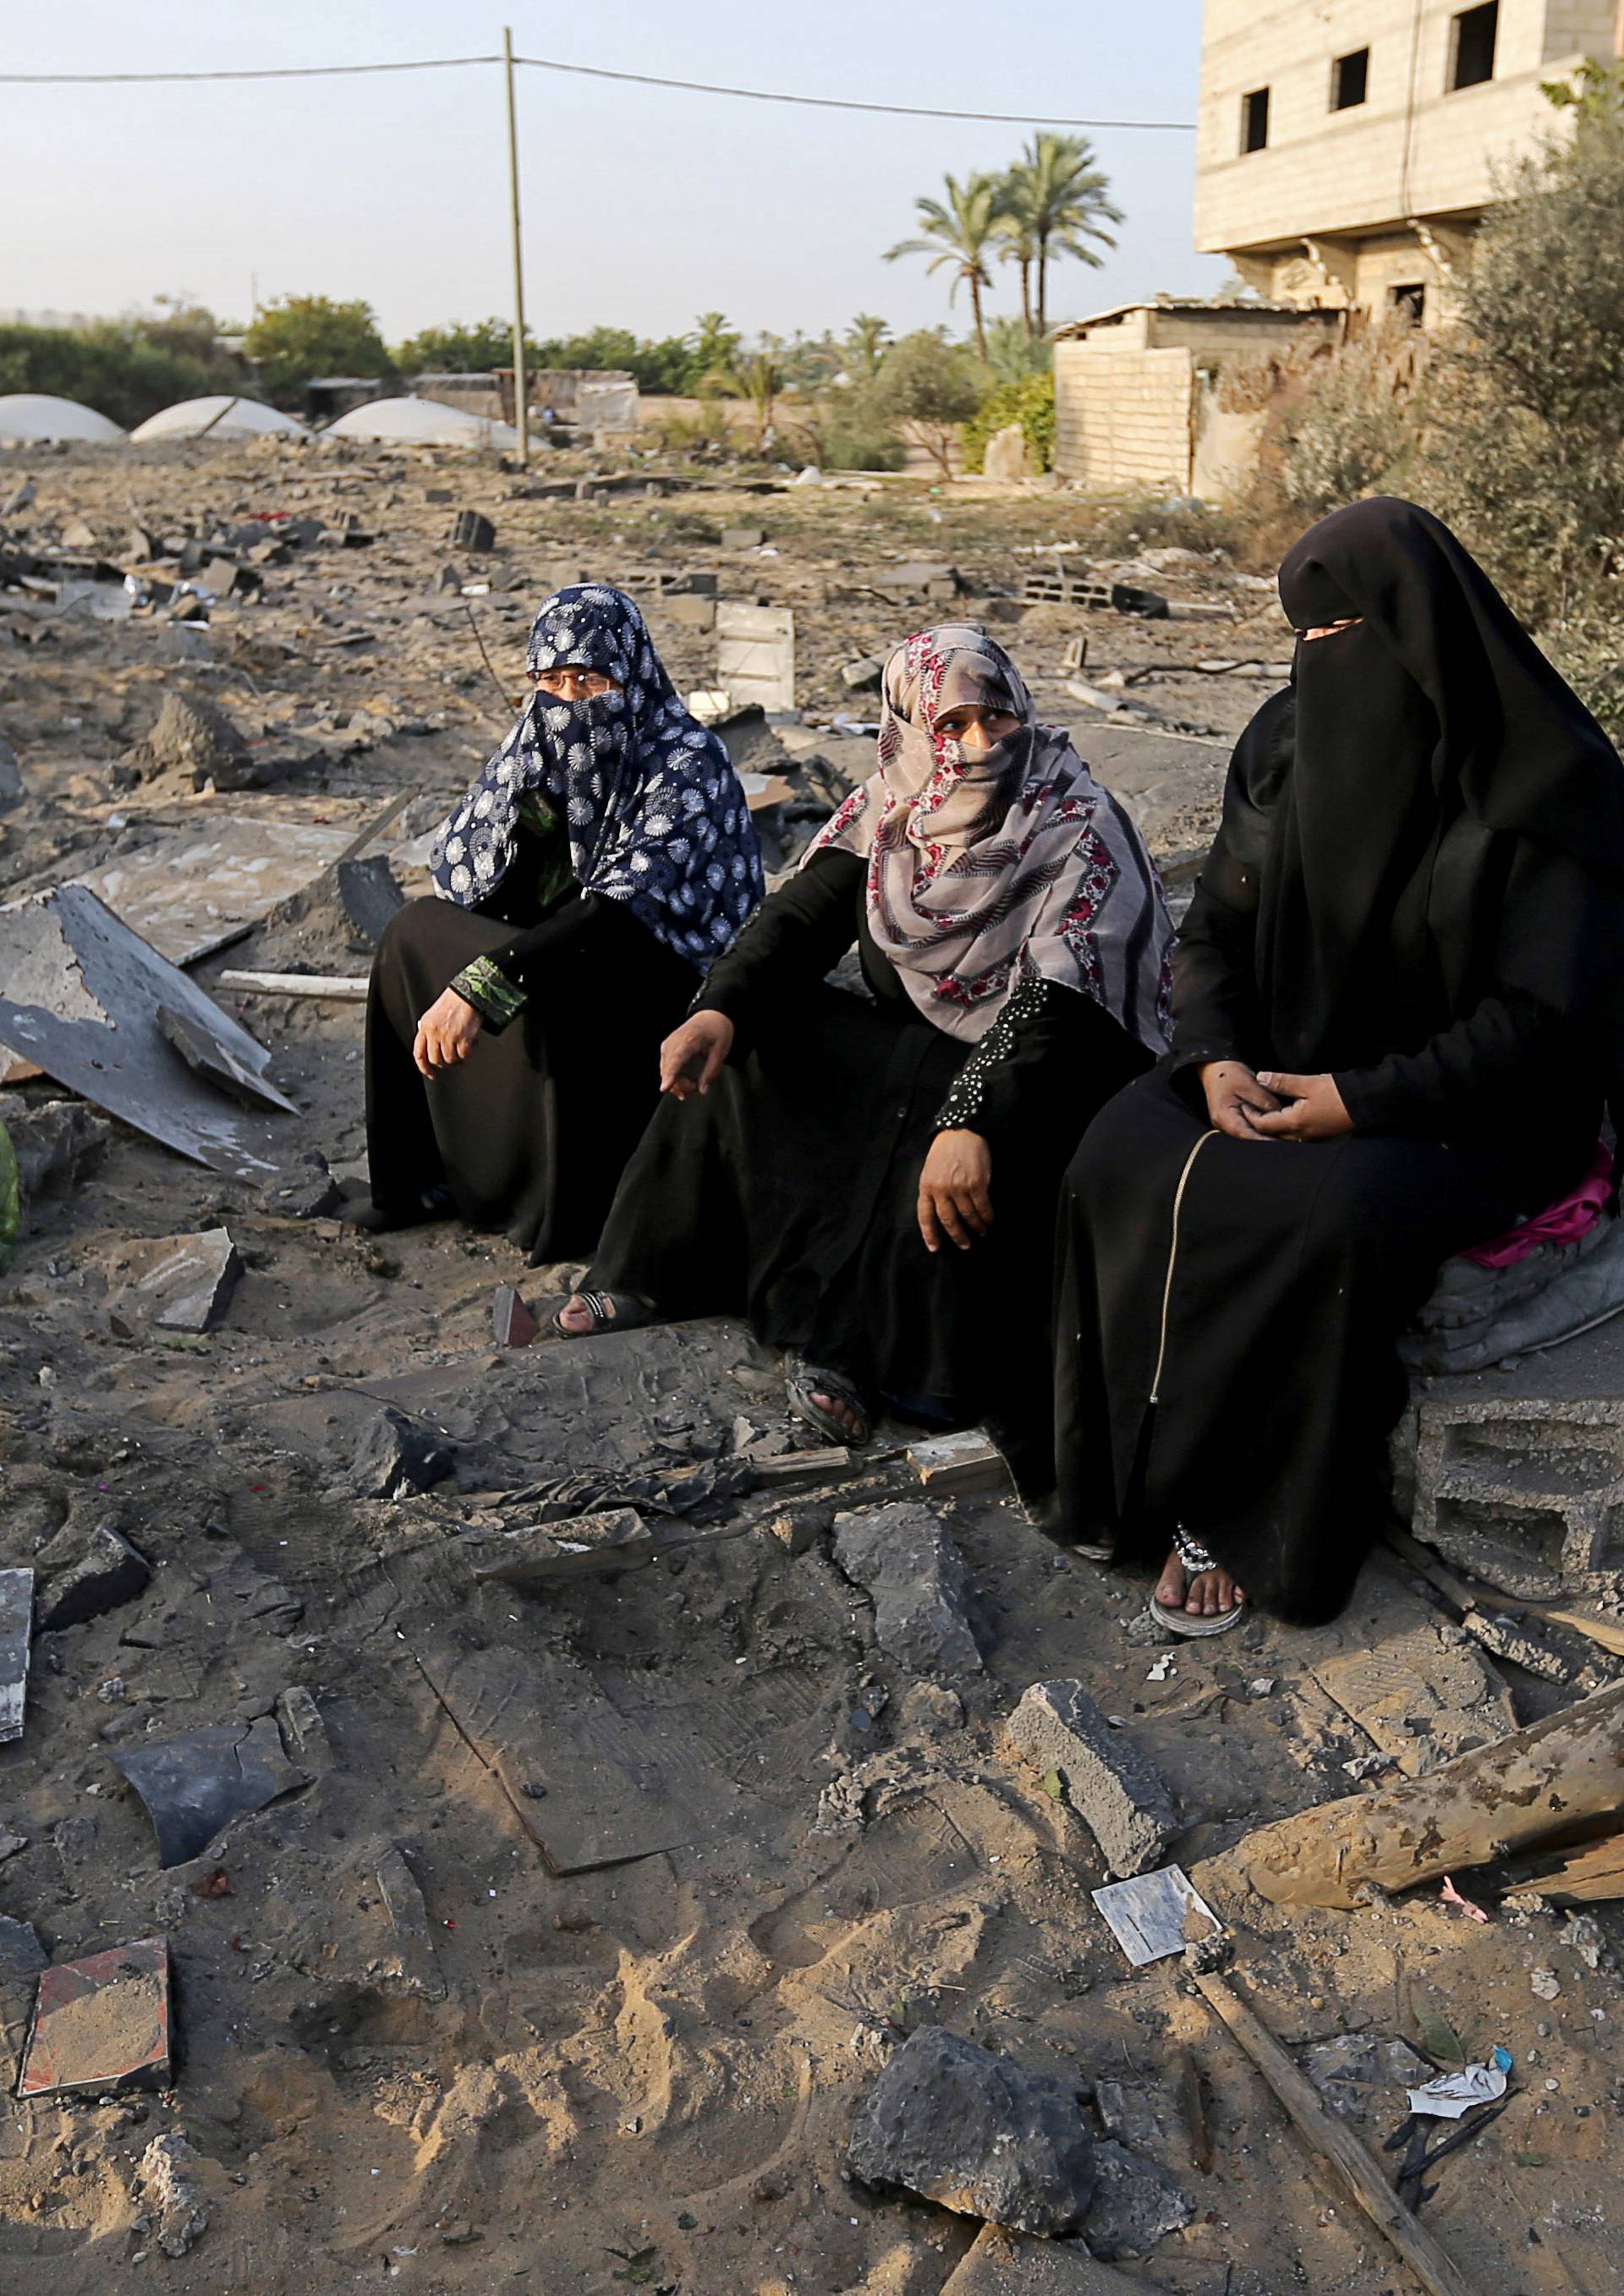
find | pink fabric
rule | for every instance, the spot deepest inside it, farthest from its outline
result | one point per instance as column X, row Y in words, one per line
column 1570, row 1217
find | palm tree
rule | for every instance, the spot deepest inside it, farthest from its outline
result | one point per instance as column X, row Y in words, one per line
column 959, row 231
column 759, row 379
column 1016, row 243
column 1054, row 204
column 866, row 338
column 715, row 343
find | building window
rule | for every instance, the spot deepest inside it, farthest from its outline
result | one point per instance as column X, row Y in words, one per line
column 1350, row 80
column 1472, row 45
column 1408, row 302
column 1254, row 120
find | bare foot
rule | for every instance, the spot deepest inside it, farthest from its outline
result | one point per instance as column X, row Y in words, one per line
column 575, row 1317
column 844, row 1413
column 1207, row 1595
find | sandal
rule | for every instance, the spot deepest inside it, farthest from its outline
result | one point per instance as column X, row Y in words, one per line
column 1177, row 1620
column 803, row 1382
column 611, row 1311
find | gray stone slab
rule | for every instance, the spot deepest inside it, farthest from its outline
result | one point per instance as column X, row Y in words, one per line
column 81, row 997
column 418, row 1970
column 16, row 1627
column 185, row 1282
column 194, row 1784
column 1116, row 1790
column 193, row 890
column 978, row 2134
column 906, row 1561
column 89, row 1572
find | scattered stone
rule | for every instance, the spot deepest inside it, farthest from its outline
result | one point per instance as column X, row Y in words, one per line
column 1584, row 1933
column 309, row 1192
column 21, row 1955
column 102, row 2023
column 417, row 1970
column 14, row 789
column 1361, row 2072
column 471, row 530
column 193, row 736
column 396, row 1457
column 743, row 537
column 55, row 1145
column 1545, row 1983
column 1133, row 2113
column 1006, row 455
column 1114, row 1787
column 166, row 2195
column 965, row 1461
column 906, row 1561
column 369, row 896
column 1136, row 2205
column 87, row 1573
column 184, row 1280
column 304, row 1733
column 930, row 1708
column 978, row 2134
column 862, row 677
column 11, row 1844
column 1008, row 2264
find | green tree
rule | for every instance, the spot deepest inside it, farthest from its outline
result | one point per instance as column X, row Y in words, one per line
column 866, row 339
column 714, row 344
column 1053, row 202
column 959, row 232
column 298, row 337
column 1594, row 91
column 1012, row 353
column 932, row 386
column 461, row 350
column 759, row 379
column 126, row 369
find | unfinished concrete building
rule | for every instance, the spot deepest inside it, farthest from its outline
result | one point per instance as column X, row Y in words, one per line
column 1346, row 152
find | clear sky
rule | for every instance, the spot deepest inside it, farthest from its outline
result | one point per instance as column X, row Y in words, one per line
column 642, row 207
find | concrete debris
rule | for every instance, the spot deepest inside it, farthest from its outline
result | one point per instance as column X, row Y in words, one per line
column 194, row 1784
column 21, row 1955
column 743, row 537
column 208, row 1057
column 309, row 1192
column 16, row 1629
column 966, row 1460
column 193, row 737
column 755, row 653
column 370, row 896
column 471, row 530
column 396, row 1457
column 304, row 1733
column 863, row 676
column 1136, row 2203
column 978, row 2134
column 1114, row 1788
column 56, row 1143
column 417, row 1970
column 14, row 789
column 182, row 1282
column 86, row 1573
column 1362, row 2072
column 102, row 2023
column 163, row 2194
column 906, row 1561
column 616, row 1538
column 1001, row 2263
column 1514, row 1643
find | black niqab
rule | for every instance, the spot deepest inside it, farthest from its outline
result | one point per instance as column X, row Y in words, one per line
column 1427, row 745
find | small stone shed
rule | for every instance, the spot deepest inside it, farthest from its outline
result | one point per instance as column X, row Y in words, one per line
column 1136, row 400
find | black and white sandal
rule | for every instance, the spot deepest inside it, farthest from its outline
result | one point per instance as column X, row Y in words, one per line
column 611, row 1311
column 1176, row 1619
column 804, row 1381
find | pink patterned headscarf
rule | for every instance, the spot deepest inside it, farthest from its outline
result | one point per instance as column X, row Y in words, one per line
column 985, row 870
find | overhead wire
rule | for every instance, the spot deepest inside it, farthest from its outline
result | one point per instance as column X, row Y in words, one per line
column 582, row 71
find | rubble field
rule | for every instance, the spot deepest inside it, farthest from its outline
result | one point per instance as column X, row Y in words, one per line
column 486, row 1816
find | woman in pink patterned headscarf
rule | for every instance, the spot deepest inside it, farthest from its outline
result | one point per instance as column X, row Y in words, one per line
column 871, row 1178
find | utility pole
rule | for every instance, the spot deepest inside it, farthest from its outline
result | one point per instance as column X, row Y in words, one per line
column 521, row 387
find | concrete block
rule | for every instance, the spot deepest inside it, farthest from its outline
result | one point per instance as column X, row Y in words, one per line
column 1114, row 1788
column 904, row 1559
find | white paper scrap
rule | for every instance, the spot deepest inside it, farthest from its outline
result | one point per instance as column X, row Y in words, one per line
column 1146, row 1915
column 1453, row 2093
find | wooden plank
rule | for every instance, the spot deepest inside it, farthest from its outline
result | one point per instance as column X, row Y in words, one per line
column 337, row 987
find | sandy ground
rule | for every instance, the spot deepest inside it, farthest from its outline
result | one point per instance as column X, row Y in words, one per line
column 642, row 2072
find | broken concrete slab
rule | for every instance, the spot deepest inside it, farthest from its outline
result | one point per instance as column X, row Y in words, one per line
column 1421, row 1694
column 901, row 1557
column 165, row 2195
column 397, row 1456
column 471, row 530
column 978, row 2134
column 369, row 896
column 1116, row 1790
column 1001, row 2263
column 417, row 1970
column 86, row 1573
column 102, row 2023
column 194, row 1784
column 1136, row 2203
column 16, row 1627
column 182, row 1282
column 308, row 1191
column 56, row 1143
column 190, row 891
column 206, row 1057
column 81, row 996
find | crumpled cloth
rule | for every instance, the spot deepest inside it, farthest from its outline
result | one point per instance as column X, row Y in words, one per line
column 1479, row 1316
column 1570, row 1216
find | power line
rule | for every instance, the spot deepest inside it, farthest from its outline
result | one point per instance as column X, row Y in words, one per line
column 581, row 71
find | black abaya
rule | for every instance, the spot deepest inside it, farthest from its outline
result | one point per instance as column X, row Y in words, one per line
column 1415, row 890
column 531, row 1131
column 789, row 1193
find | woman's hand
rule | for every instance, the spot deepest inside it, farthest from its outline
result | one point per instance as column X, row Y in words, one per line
column 1236, row 1099
column 955, row 1190
column 693, row 1057
column 444, row 1034
column 1314, row 1110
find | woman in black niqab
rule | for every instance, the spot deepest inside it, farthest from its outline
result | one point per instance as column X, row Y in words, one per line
column 1396, row 1022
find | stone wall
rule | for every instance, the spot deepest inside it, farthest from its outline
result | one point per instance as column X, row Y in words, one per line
column 1123, row 415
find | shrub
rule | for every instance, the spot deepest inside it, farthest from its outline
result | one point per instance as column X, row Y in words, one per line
column 300, row 337
column 1030, row 403
column 931, row 385
column 126, row 369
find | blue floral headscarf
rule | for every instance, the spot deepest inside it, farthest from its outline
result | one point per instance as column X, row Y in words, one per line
column 653, row 807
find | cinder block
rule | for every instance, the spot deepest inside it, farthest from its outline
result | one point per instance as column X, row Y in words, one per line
column 1116, row 1790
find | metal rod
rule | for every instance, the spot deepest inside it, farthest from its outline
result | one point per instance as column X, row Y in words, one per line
column 521, row 388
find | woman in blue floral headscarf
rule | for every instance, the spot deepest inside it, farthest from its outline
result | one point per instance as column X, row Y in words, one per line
column 602, row 859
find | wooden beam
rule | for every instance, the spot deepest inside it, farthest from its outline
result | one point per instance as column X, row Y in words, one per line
column 337, row 987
